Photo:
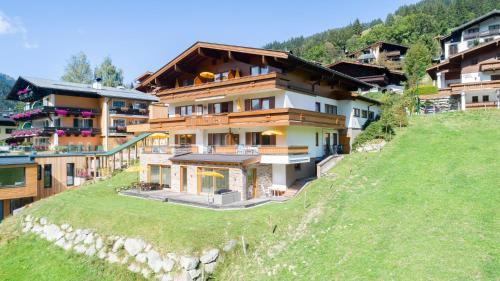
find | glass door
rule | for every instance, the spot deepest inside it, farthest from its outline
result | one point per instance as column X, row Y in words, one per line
column 183, row 178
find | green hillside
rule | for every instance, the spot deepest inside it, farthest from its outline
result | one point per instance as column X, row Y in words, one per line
column 424, row 208
column 6, row 83
column 410, row 23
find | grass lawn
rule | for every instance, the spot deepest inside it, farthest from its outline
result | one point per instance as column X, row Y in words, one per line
column 29, row 258
column 424, row 208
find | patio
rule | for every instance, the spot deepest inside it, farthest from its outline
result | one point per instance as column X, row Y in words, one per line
column 203, row 201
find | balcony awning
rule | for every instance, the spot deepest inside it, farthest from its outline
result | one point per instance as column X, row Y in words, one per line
column 216, row 159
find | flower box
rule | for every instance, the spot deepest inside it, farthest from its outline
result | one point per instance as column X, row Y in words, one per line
column 86, row 133
column 60, row 133
column 86, row 114
column 61, row 112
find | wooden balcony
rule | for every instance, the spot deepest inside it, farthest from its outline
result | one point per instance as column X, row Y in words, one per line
column 231, row 150
column 475, row 86
column 491, row 104
column 270, row 117
column 490, row 66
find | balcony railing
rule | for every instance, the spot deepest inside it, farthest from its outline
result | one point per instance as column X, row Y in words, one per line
column 232, row 150
column 490, row 32
column 60, row 131
column 118, row 130
column 129, row 111
column 268, row 117
column 482, row 104
column 45, row 111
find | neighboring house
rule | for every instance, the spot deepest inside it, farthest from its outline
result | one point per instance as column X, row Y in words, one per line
column 382, row 78
column 83, row 116
column 381, row 52
column 483, row 29
column 468, row 79
column 250, row 120
column 7, row 126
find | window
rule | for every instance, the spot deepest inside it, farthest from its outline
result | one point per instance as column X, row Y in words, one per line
column 199, row 109
column 57, row 122
column 82, row 123
column 223, row 139
column 495, row 77
column 118, row 104
column 47, row 176
column 165, row 176
column 473, row 30
column 139, row 105
column 486, row 40
column 9, row 130
column 475, row 99
column 256, row 138
column 297, row 167
column 185, row 139
column 12, row 177
column 39, row 172
column 186, row 110
column 331, row 109
column 221, row 76
column 335, row 138
column 70, row 174
column 258, row 104
column 494, row 27
column 364, row 114
column 486, row 98
column 356, row 112
column 154, row 174
column 119, row 123
column 318, row 107
column 210, row 184
column 452, row 49
column 317, row 139
column 217, row 108
column 371, row 115
column 259, row 70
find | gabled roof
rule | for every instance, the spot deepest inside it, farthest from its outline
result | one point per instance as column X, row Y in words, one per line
column 473, row 22
column 366, row 71
column 457, row 58
column 246, row 50
column 79, row 88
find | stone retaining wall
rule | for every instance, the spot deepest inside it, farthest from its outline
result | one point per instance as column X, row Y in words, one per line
column 137, row 255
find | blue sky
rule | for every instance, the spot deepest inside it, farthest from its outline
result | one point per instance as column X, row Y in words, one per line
column 37, row 37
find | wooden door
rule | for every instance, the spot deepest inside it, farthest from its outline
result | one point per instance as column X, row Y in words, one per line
column 345, row 142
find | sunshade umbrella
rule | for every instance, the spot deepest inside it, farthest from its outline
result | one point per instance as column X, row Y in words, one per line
column 272, row 133
column 207, row 75
column 212, row 174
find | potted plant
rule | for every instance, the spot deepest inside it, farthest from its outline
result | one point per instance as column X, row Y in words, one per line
column 61, row 112
column 86, row 114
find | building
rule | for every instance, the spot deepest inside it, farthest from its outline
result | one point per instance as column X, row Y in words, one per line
column 382, row 78
column 249, row 120
column 385, row 53
column 467, row 79
column 483, row 29
column 18, row 183
column 76, row 117
column 7, row 126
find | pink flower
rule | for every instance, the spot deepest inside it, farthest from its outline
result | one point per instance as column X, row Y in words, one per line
column 86, row 114
column 60, row 133
column 61, row 112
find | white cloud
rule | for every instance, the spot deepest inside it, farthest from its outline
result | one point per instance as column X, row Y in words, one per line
column 9, row 26
column 6, row 25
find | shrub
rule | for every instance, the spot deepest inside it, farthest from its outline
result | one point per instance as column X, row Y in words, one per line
column 375, row 130
column 427, row 90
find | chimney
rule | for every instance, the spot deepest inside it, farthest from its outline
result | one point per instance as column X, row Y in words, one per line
column 97, row 83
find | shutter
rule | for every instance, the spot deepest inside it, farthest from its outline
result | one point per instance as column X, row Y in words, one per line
column 273, row 140
column 210, row 139
column 230, row 106
column 210, row 108
column 177, row 111
column 247, row 105
column 271, row 102
column 75, row 122
column 91, row 123
column 177, row 139
column 193, row 140
column 248, row 138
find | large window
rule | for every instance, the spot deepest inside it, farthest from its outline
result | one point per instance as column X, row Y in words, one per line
column 118, row 104
column 475, row 99
column 259, row 70
column 12, row 177
column 331, row 109
column 185, row 139
column 256, row 138
column 118, row 122
column 260, row 104
column 47, row 176
column 82, row 123
column 160, row 174
column 486, row 98
column 222, row 107
column 213, row 183
column 70, row 174
column 186, row 110
column 357, row 112
column 154, row 174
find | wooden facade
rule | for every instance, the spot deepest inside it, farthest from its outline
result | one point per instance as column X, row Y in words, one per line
column 28, row 190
